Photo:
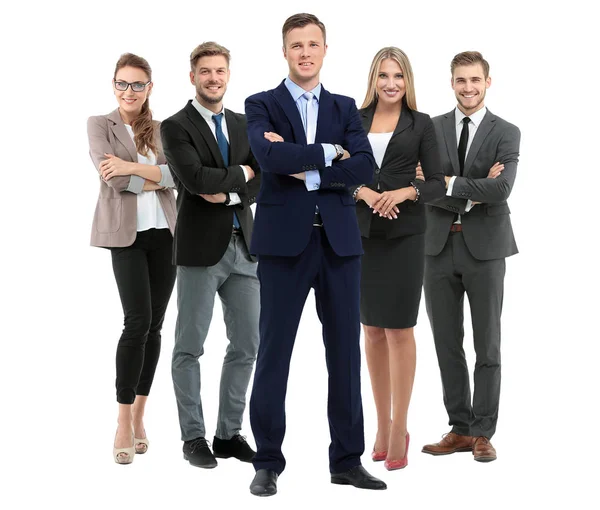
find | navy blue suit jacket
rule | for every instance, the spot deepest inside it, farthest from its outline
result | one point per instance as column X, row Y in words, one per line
column 285, row 208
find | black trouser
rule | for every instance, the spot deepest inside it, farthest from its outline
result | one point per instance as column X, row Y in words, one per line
column 145, row 278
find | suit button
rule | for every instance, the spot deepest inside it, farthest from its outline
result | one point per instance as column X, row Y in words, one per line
column 315, row 186
column 377, row 171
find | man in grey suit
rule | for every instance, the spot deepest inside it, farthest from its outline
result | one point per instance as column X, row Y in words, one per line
column 468, row 237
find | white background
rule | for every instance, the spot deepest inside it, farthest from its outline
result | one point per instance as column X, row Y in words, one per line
column 61, row 315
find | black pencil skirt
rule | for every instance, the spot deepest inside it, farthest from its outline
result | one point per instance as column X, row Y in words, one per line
column 391, row 281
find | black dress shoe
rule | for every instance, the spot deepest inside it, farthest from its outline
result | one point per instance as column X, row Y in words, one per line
column 358, row 477
column 235, row 447
column 264, row 483
column 198, row 453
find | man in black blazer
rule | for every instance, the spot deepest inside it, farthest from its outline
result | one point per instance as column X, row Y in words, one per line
column 217, row 179
column 468, row 237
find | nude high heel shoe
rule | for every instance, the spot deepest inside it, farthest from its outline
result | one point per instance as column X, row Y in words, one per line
column 124, row 455
column 141, row 445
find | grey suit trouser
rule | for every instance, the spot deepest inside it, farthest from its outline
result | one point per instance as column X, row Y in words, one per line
column 447, row 277
column 234, row 279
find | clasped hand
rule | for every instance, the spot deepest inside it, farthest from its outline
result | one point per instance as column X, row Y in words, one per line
column 113, row 166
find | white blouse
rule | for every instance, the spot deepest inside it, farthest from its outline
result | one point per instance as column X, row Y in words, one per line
column 379, row 143
column 150, row 213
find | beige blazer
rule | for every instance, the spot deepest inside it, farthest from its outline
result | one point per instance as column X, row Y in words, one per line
column 115, row 219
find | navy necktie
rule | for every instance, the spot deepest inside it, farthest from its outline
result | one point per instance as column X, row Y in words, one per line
column 224, row 148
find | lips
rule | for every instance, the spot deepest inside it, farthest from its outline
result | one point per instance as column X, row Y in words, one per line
column 129, row 101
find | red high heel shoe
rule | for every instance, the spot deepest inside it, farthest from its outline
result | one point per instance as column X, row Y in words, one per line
column 391, row 465
column 378, row 456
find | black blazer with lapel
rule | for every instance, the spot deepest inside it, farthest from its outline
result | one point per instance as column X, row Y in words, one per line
column 413, row 140
column 203, row 229
column 486, row 228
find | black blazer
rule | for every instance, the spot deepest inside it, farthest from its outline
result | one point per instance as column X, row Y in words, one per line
column 413, row 140
column 203, row 229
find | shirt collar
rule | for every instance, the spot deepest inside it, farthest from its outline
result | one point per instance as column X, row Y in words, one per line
column 476, row 118
column 297, row 91
column 205, row 112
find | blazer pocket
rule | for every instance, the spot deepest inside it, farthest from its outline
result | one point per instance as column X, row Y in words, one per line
column 108, row 215
column 497, row 210
column 347, row 199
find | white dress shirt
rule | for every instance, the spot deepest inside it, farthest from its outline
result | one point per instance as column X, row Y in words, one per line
column 207, row 115
column 476, row 119
column 379, row 143
column 150, row 213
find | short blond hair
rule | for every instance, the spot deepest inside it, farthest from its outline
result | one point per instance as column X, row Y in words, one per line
column 208, row 49
column 469, row 58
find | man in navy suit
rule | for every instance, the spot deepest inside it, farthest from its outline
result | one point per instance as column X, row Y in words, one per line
column 311, row 148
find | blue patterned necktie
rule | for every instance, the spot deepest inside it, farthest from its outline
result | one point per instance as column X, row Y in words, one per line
column 224, row 148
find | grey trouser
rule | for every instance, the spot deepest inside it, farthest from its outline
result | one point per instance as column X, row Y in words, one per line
column 448, row 276
column 234, row 278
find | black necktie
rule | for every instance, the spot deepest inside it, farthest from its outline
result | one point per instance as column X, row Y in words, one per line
column 462, row 144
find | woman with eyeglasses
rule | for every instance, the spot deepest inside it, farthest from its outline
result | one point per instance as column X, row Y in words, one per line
column 135, row 219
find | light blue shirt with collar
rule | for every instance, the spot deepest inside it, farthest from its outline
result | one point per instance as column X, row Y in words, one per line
column 313, row 178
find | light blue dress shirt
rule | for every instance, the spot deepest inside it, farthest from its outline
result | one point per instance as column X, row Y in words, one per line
column 313, row 178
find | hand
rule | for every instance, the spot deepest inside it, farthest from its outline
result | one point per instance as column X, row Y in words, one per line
column 495, row 170
column 113, row 166
column 251, row 173
column 386, row 205
column 217, row 198
column 273, row 137
column 345, row 156
column 371, row 198
column 301, row 176
column 151, row 186
column 419, row 172
column 447, row 179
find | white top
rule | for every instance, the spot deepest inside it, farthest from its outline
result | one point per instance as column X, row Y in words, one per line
column 150, row 213
column 379, row 143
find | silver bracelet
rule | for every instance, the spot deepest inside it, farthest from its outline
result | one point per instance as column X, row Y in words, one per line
column 355, row 192
column 417, row 190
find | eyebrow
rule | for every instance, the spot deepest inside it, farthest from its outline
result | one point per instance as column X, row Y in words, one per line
column 211, row 68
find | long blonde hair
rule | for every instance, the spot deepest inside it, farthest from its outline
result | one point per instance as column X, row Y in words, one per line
column 400, row 57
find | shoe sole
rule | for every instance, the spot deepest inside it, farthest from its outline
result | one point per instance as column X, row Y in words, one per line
column 204, row 466
column 221, row 456
column 263, row 494
column 485, row 459
column 338, row 481
column 458, row 450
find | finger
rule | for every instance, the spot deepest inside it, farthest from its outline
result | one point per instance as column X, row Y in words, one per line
column 106, row 154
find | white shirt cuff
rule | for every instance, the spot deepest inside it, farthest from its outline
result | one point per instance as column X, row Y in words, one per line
column 313, row 180
column 245, row 172
column 450, row 186
column 234, row 199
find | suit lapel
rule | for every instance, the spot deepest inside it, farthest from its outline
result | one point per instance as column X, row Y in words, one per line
column 449, row 128
column 204, row 131
column 283, row 97
column 324, row 118
column 487, row 124
column 121, row 134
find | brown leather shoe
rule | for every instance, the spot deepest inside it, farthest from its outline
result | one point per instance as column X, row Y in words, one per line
column 450, row 443
column 483, row 451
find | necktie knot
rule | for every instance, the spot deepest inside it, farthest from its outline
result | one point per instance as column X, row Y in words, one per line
column 217, row 119
column 308, row 96
column 466, row 120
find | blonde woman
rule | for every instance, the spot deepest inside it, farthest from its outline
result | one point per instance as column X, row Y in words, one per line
column 135, row 219
column 391, row 217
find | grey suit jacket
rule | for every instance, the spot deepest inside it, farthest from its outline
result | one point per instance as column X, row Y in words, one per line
column 115, row 218
column 487, row 229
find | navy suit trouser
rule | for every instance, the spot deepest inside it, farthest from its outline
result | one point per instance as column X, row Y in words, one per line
column 284, row 286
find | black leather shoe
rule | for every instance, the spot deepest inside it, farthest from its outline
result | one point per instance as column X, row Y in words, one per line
column 358, row 477
column 198, row 453
column 235, row 447
column 264, row 483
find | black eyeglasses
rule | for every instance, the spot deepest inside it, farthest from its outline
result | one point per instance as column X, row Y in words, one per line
column 136, row 86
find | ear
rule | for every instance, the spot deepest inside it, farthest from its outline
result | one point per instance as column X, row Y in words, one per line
column 452, row 81
column 284, row 53
column 192, row 78
column 488, row 82
column 325, row 50
column 150, row 89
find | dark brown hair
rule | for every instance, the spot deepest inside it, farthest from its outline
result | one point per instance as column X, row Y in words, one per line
column 299, row 21
column 143, row 127
column 208, row 49
column 469, row 58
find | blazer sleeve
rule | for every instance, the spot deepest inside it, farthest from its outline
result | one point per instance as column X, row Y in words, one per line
column 253, row 185
column 284, row 158
column 486, row 190
column 97, row 129
column 357, row 169
column 184, row 161
column 434, row 185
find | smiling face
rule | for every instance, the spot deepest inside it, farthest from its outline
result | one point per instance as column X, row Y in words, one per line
column 470, row 84
column 210, row 79
column 131, row 102
column 390, row 82
column 304, row 51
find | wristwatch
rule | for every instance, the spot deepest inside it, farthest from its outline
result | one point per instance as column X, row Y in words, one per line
column 227, row 199
column 339, row 152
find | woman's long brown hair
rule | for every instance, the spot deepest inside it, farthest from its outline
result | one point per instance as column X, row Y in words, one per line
column 143, row 127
